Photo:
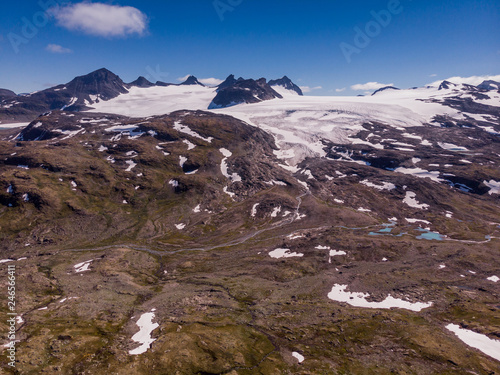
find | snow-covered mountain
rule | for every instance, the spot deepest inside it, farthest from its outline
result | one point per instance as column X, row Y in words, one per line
column 233, row 92
column 284, row 86
column 303, row 122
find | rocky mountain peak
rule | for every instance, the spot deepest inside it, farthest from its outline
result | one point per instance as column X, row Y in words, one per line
column 192, row 80
column 141, row 82
column 287, row 84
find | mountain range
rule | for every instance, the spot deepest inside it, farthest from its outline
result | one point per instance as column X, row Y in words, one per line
column 102, row 85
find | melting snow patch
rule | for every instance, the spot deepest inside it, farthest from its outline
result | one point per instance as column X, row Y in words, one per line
column 10, row 190
column 340, row 294
column 254, row 209
column 334, row 253
column 481, row 342
column 231, row 194
column 223, row 166
column 182, row 161
column 384, row 186
column 412, row 202
column 309, row 174
column 361, row 209
column 186, row 130
column 82, row 267
column 299, row 357
column 180, row 226
column 197, row 209
column 143, row 337
column 284, row 253
column 495, row 279
column 26, row 197
column 189, row 144
column 339, row 201
column 413, row 221
column 276, row 211
column 420, row 173
column 102, row 148
column 441, row 266
column 6, row 260
column 494, row 186
column 451, row 147
column 174, row 183
column 23, row 166
column 131, row 165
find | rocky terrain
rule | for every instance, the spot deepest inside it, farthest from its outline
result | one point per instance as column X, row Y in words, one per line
column 267, row 238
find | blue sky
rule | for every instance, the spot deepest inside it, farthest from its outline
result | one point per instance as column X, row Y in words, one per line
column 419, row 42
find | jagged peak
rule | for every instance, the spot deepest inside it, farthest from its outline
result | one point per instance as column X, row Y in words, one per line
column 192, row 80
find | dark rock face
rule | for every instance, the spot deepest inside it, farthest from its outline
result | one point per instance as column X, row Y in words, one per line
column 230, row 81
column 489, row 85
column 385, row 89
column 102, row 82
column 192, row 80
column 445, row 85
column 243, row 91
column 164, row 84
column 73, row 96
column 286, row 83
column 6, row 94
column 141, row 82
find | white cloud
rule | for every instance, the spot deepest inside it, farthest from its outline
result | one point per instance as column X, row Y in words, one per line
column 370, row 86
column 473, row 80
column 211, row 81
column 56, row 48
column 340, row 90
column 433, row 75
column 182, row 79
column 309, row 89
column 100, row 19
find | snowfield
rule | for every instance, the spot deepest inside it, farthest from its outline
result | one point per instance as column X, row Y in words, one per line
column 339, row 294
column 157, row 100
column 300, row 124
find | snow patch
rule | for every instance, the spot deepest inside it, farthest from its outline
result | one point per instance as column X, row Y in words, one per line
column 384, row 186
column 131, row 165
column 189, row 144
column 284, row 253
column 478, row 341
column 298, row 356
column 420, row 173
column 82, row 267
column 223, row 166
column 494, row 186
column 276, row 211
column 186, row 130
column 412, row 202
column 143, row 337
column 339, row 294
